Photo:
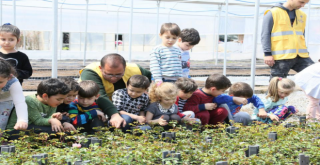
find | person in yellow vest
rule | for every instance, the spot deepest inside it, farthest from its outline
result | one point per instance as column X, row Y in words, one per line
column 283, row 38
column 110, row 74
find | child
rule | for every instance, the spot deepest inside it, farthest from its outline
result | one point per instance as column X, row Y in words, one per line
column 162, row 108
column 187, row 40
column 186, row 87
column 132, row 101
column 9, row 38
column 84, row 112
column 71, row 96
column 11, row 95
column 240, row 93
column 42, row 107
column 278, row 90
column 165, row 63
column 201, row 100
column 309, row 80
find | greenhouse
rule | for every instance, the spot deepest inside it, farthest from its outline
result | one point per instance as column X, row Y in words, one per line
column 67, row 41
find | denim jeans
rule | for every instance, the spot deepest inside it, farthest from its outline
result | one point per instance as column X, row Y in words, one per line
column 129, row 120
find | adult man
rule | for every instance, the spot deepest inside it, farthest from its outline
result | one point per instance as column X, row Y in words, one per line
column 283, row 38
column 110, row 74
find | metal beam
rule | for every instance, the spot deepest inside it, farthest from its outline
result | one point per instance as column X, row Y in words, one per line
column 54, row 39
column 131, row 25
column 255, row 38
column 218, row 39
column 85, row 35
column 225, row 38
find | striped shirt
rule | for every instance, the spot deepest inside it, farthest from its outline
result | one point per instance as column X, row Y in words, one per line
column 181, row 104
column 165, row 63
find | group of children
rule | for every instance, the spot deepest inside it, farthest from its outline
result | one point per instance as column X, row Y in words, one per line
column 65, row 105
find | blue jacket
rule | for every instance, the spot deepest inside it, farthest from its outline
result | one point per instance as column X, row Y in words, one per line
column 234, row 108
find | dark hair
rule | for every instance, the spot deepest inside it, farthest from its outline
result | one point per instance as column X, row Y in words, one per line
column 6, row 69
column 139, row 81
column 52, row 87
column 71, row 83
column 88, row 88
column 113, row 59
column 241, row 89
column 8, row 28
column 190, row 35
column 170, row 27
column 218, row 80
column 186, row 84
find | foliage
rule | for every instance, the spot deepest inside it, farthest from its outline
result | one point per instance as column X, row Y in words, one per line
column 141, row 147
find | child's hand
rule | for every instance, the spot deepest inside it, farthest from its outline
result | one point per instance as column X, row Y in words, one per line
column 210, row 106
column 21, row 125
column 162, row 122
column 188, row 119
column 262, row 113
column 68, row 127
column 57, row 115
column 65, row 113
column 56, row 125
column 101, row 116
column 273, row 117
column 141, row 119
column 240, row 100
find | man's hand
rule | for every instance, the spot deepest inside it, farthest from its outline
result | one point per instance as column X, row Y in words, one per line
column 21, row 125
column 68, row 127
column 162, row 122
column 56, row 125
column 57, row 115
column 141, row 119
column 273, row 117
column 269, row 60
column 262, row 113
column 210, row 106
column 116, row 121
column 240, row 100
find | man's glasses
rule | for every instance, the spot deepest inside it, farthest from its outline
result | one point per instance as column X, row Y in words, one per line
column 112, row 75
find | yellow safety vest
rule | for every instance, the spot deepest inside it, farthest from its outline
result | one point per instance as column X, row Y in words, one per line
column 131, row 69
column 288, row 41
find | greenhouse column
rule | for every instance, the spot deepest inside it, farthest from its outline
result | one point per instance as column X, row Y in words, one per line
column 255, row 37
column 85, row 35
column 14, row 12
column 225, row 40
column 54, row 39
column 157, row 28
column 0, row 12
column 130, row 36
column 217, row 44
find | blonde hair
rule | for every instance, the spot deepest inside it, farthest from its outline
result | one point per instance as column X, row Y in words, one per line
column 164, row 90
column 278, row 82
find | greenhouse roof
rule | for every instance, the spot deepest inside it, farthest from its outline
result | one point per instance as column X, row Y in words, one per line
column 196, row 7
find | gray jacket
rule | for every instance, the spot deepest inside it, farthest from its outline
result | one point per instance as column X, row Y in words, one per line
column 267, row 26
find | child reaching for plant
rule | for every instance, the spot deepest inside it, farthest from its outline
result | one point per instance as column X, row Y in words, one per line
column 132, row 101
column 278, row 91
column 11, row 95
column 162, row 108
column 42, row 107
column 84, row 112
